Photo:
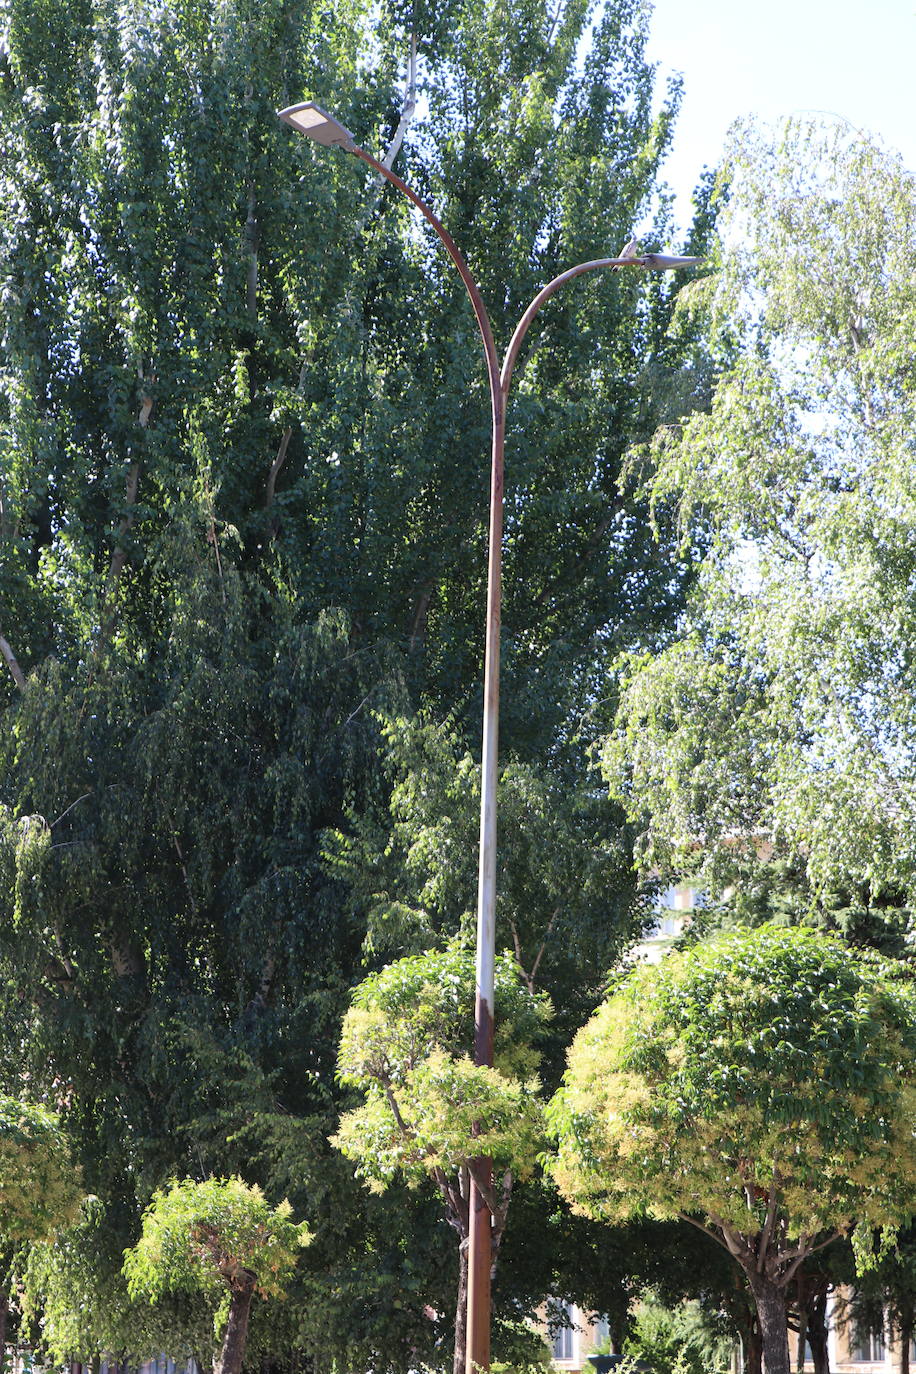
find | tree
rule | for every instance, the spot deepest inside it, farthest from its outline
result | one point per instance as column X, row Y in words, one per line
column 430, row 1112
column 243, row 450
column 760, row 1086
column 39, row 1186
column 779, row 722
column 75, row 1303
column 884, row 1298
column 221, row 1238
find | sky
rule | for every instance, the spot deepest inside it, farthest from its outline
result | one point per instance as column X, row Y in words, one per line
column 784, row 57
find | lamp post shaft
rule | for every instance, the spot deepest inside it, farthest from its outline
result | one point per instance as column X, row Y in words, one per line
column 480, row 1237
column 480, row 1240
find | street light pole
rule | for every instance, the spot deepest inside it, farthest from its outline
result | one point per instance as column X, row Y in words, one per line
column 311, row 120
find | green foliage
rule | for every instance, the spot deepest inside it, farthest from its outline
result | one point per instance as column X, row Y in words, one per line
column 74, row 1297
column 243, row 457
column 665, row 1339
column 404, row 1045
column 767, row 1074
column 205, row 1236
column 566, row 895
column 440, row 1103
column 39, row 1185
column 780, row 720
column 527, row 1352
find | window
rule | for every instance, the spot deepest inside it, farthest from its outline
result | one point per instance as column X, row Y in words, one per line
column 865, row 1346
column 564, row 1336
column 602, row 1331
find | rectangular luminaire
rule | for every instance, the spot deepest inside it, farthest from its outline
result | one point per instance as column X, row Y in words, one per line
column 661, row 262
column 310, row 119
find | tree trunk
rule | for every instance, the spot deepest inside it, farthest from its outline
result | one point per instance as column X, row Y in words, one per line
column 753, row 1350
column 229, row 1360
column 903, row 1339
column 770, row 1300
column 4, row 1310
column 801, row 1287
column 461, row 1311
column 16, row 672
column 817, row 1328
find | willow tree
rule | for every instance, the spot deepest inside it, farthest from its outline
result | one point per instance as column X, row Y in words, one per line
column 760, row 1086
column 780, row 718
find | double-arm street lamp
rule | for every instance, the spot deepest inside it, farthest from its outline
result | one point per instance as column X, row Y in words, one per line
column 309, row 119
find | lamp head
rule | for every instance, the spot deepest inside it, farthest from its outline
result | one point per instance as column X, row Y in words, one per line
column 310, row 119
column 662, row 262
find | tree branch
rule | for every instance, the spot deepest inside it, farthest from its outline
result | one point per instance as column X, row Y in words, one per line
column 502, row 1212
column 736, row 1244
column 768, row 1223
column 396, row 1111
column 9, row 657
column 803, row 1251
column 457, row 1205
column 252, row 237
column 707, row 1230
column 518, row 954
column 540, row 954
column 184, row 872
column 483, row 1185
column 68, row 809
column 280, row 459
column 275, row 467
column 407, row 110
column 418, row 628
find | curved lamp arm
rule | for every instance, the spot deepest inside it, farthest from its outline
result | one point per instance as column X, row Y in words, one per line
column 658, row 262
column 480, row 310
column 308, row 118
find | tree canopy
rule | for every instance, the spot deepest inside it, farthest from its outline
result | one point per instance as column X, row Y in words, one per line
column 761, row 1085
column 221, row 1238
column 405, row 1044
column 780, row 718
column 430, row 1112
column 243, row 477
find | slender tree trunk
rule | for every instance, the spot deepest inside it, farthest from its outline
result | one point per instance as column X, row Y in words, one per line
column 9, row 657
column 4, row 1311
column 461, row 1311
column 229, row 1359
column 903, row 1340
column 817, row 1328
column 802, row 1289
column 753, row 1349
column 771, row 1310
